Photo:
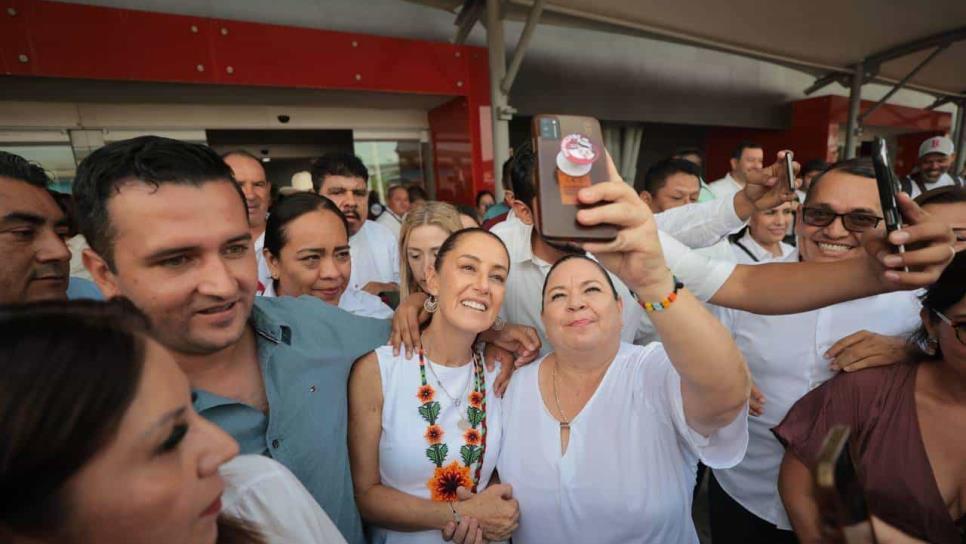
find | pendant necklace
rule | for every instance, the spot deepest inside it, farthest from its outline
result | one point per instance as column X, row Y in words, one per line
column 464, row 423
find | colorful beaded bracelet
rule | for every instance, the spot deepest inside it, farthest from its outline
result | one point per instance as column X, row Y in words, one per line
column 665, row 302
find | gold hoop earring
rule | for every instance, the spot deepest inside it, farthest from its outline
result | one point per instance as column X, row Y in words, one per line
column 431, row 304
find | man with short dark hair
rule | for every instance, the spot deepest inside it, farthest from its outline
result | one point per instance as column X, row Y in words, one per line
column 343, row 178
column 669, row 183
column 809, row 170
column 250, row 176
column 397, row 204
column 936, row 156
column 34, row 258
column 746, row 160
column 694, row 156
column 168, row 229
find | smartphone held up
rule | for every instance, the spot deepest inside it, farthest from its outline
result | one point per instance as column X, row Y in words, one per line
column 888, row 185
column 570, row 156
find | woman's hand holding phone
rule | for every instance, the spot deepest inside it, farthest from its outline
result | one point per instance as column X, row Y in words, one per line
column 635, row 255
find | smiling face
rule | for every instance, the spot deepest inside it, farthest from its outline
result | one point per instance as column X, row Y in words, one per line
column 933, row 166
column 839, row 192
column 470, row 283
column 157, row 480
column 315, row 258
column 770, row 226
column 421, row 248
column 183, row 255
column 36, row 261
column 680, row 189
column 351, row 195
column 580, row 312
column 751, row 160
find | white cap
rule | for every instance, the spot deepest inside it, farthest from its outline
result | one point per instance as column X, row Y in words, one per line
column 936, row 144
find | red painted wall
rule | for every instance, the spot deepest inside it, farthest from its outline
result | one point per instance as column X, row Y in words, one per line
column 40, row 38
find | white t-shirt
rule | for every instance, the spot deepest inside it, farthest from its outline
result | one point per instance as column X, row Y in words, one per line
column 785, row 354
column 725, row 187
column 943, row 181
column 747, row 250
column 391, row 221
column 629, row 470
column 403, row 462
column 264, row 275
column 375, row 255
column 262, row 491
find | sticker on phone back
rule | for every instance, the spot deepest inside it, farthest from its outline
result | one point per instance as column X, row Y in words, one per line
column 574, row 162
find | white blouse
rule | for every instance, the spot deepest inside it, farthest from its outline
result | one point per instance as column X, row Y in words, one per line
column 403, row 461
column 629, row 469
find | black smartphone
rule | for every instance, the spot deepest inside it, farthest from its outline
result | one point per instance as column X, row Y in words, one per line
column 888, row 185
column 570, row 156
column 841, row 499
column 790, row 170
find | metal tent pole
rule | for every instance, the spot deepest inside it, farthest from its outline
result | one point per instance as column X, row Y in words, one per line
column 496, row 49
column 855, row 101
column 960, row 138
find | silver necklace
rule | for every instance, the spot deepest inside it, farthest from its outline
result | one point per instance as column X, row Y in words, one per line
column 464, row 423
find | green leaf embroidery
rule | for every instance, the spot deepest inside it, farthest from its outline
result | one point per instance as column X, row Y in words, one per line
column 430, row 411
column 470, row 454
column 437, row 453
column 475, row 416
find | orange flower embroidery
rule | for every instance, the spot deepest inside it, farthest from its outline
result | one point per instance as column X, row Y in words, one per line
column 472, row 437
column 445, row 481
column 434, row 434
column 426, row 394
column 476, row 399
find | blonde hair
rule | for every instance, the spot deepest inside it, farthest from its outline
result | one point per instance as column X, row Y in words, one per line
column 441, row 214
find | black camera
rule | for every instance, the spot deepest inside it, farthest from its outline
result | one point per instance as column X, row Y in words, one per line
column 284, row 118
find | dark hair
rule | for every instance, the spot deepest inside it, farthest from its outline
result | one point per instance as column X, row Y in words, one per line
column 814, row 165
column 65, row 202
column 522, row 174
column 505, row 178
column 151, row 160
column 16, row 167
column 416, row 193
column 290, row 208
column 469, row 211
column 337, row 164
column 950, row 194
column 948, row 290
column 657, row 174
column 570, row 257
column 861, row 167
column 483, row 193
column 70, row 371
column 681, row 152
column 450, row 243
column 742, row 146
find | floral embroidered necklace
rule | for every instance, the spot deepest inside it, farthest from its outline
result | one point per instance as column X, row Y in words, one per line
column 446, row 479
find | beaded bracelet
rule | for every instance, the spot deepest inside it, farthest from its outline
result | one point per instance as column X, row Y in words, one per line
column 665, row 302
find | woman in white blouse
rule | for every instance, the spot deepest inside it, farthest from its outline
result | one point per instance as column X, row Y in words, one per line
column 423, row 426
column 601, row 439
column 307, row 252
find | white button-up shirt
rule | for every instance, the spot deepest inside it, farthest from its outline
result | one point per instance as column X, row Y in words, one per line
column 264, row 275
column 725, row 187
column 375, row 255
column 355, row 302
column 785, row 354
column 391, row 221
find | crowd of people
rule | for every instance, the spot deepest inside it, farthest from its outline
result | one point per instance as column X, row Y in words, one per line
column 237, row 366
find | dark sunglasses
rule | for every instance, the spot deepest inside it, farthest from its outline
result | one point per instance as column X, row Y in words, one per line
column 852, row 221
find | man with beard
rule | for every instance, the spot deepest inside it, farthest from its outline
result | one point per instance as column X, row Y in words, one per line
column 168, row 229
column 932, row 171
column 343, row 179
column 33, row 228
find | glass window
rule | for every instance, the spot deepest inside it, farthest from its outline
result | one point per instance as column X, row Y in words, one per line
column 391, row 162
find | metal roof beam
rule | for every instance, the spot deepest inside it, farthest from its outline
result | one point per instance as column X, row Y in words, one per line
column 467, row 18
column 903, row 81
column 521, row 49
column 936, row 40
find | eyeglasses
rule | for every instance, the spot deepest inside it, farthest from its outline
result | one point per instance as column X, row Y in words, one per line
column 852, row 221
column 958, row 328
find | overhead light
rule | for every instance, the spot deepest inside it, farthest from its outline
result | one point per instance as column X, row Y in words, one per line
column 266, row 159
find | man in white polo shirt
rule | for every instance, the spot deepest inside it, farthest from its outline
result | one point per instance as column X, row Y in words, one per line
column 932, row 171
column 747, row 158
column 786, row 353
column 397, row 204
column 250, row 177
column 342, row 178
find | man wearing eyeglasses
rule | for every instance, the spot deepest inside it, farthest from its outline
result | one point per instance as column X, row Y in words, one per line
column 787, row 353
